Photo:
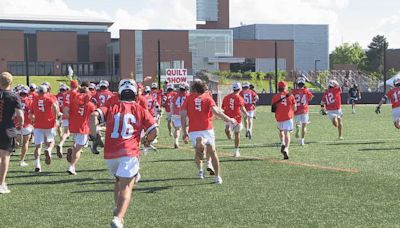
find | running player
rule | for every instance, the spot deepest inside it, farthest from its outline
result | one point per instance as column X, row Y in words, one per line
column 32, row 91
column 394, row 96
column 233, row 106
column 104, row 94
column 176, row 104
column 167, row 105
column 60, row 99
column 44, row 114
column 250, row 99
column 331, row 105
column 125, row 121
column 78, row 112
column 157, row 94
column 199, row 107
column 285, row 108
column 303, row 96
column 27, row 128
column 354, row 95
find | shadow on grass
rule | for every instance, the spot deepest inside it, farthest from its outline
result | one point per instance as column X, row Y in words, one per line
column 33, row 174
column 174, row 160
column 64, row 181
column 378, row 149
column 353, row 143
column 239, row 160
column 250, row 146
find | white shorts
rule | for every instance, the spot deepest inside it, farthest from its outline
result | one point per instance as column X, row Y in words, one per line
column 176, row 121
column 251, row 113
column 44, row 135
column 234, row 128
column 302, row 119
column 65, row 123
column 28, row 130
column 169, row 116
column 208, row 137
column 285, row 125
column 80, row 139
column 332, row 114
column 396, row 114
column 125, row 167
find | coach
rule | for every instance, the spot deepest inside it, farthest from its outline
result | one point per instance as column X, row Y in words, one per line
column 10, row 105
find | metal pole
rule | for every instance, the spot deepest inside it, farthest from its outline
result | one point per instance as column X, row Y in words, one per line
column 159, row 64
column 276, row 67
column 27, row 59
column 384, row 67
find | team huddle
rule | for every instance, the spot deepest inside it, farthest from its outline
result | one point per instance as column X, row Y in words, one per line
column 128, row 121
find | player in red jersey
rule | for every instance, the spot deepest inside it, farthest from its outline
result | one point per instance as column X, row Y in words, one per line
column 157, row 94
column 104, row 94
column 60, row 99
column 233, row 106
column 331, row 105
column 92, row 89
column 32, row 91
column 27, row 128
column 125, row 121
column 285, row 108
column 140, row 99
column 250, row 99
column 78, row 112
column 44, row 113
column 199, row 107
column 303, row 96
column 151, row 101
column 167, row 105
column 69, row 96
column 175, row 108
column 394, row 96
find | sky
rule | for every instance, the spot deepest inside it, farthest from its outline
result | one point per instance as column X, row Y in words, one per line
column 349, row 20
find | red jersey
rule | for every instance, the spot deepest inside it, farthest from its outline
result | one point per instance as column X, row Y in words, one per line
column 69, row 96
column 60, row 99
column 303, row 97
column 142, row 101
column 177, row 102
column 26, row 107
column 250, row 99
column 231, row 105
column 199, row 111
column 124, row 124
column 157, row 94
column 167, row 103
column 32, row 95
column 151, row 103
column 79, row 114
column 102, row 97
column 394, row 96
column 42, row 108
column 332, row 98
column 284, row 109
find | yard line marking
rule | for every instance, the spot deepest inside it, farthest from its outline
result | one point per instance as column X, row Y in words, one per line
column 272, row 160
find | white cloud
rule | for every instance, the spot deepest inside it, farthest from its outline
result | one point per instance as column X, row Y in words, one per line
column 180, row 14
column 390, row 27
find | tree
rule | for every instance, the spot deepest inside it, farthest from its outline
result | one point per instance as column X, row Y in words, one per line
column 349, row 54
column 375, row 53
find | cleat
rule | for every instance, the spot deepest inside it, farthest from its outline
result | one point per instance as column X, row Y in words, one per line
column 285, row 155
column 341, row 138
column 4, row 189
column 116, row 223
column 201, row 174
column 71, row 171
column 236, row 154
column 145, row 151
column 48, row 157
column 23, row 164
column 93, row 149
column 218, row 180
column 247, row 133
column 59, row 151
column 38, row 170
column 69, row 154
column 301, row 142
column 153, row 147
column 210, row 170
column 282, row 148
column 176, row 146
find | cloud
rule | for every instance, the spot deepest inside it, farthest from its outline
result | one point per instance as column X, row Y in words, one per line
column 390, row 27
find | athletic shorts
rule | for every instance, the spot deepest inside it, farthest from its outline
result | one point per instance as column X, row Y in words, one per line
column 353, row 99
column 169, row 116
column 80, row 139
column 176, row 121
column 251, row 113
column 65, row 123
column 302, row 119
column 8, row 140
column 396, row 114
column 285, row 125
column 43, row 135
column 125, row 167
column 208, row 137
column 235, row 128
column 332, row 114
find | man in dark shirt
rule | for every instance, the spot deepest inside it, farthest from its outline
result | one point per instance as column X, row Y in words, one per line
column 10, row 105
column 354, row 95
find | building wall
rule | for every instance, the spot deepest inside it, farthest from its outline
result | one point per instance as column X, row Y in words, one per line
column 127, row 53
column 98, row 42
column 11, row 47
column 223, row 17
column 262, row 49
column 174, row 46
column 57, row 47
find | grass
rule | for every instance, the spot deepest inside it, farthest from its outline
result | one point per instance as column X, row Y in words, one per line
column 54, row 81
column 327, row 183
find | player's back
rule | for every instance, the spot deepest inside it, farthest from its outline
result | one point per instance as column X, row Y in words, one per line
column 177, row 102
column 284, row 108
column 103, row 96
column 42, row 108
column 332, row 98
column 199, row 111
column 79, row 112
column 249, row 97
column 302, row 97
column 231, row 105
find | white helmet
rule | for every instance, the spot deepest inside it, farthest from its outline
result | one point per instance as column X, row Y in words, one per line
column 127, row 84
column 104, row 83
column 170, row 86
column 333, row 83
column 154, row 85
column 236, row 86
column 42, row 89
column 147, row 89
column 184, row 86
column 24, row 89
column 396, row 81
column 246, row 85
column 32, row 86
column 301, row 80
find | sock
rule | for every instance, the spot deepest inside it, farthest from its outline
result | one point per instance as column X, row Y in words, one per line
column 37, row 163
column 176, row 141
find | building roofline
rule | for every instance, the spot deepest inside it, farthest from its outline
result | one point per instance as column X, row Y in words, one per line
column 70, row 21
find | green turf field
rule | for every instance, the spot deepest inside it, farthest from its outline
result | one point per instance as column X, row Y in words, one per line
column 327, row 183
column 54, row 81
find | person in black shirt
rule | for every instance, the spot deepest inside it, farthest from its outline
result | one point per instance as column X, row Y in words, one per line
column 10, row 106
column 354, row 95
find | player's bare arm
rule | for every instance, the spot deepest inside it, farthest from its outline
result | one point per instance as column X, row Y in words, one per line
column 19, row 114
column 185, row 133
column 218, row 112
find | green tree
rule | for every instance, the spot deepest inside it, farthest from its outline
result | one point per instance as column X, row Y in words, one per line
column 375, row 53
column 349, row 54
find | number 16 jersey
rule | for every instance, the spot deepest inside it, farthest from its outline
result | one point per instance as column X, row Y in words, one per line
column 124, row 123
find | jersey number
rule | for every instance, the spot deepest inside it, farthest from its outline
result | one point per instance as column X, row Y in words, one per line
column 301, row 99
column 127, row 126
column 330, row 99
column 396, row 96
column 197, row 104
column 41, row 105
column 247, row 98
column 179, row 102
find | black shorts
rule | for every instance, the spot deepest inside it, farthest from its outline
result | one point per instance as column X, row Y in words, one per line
column 7, row 143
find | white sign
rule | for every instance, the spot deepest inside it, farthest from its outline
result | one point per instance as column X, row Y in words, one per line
column 176, row 76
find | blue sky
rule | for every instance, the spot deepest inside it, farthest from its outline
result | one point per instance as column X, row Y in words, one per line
column 349, row 20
